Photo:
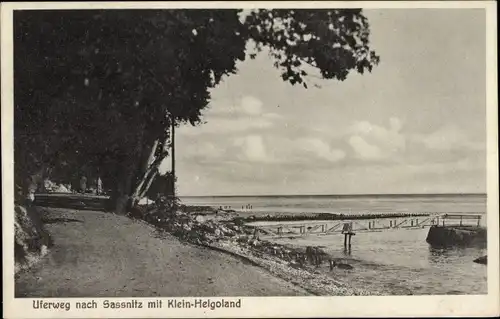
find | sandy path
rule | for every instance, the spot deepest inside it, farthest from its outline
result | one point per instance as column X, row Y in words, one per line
column 98, row 254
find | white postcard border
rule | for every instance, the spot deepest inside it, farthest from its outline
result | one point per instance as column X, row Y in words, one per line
column 372, row 306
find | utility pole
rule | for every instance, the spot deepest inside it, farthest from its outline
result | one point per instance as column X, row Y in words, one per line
column 172, row 120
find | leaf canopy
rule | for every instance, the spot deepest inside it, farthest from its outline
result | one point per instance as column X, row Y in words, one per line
column 92, row 85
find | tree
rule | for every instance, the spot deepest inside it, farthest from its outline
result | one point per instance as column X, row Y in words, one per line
column 162, row 185
column 101, row 87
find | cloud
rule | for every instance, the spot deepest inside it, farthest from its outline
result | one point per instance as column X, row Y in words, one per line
column 396, row 124
column 251, row 105
column 266, row 149
column 248, row 105
column 195, row 152
column 447, row 138
column 365, row 149
column 224, row 118
column 463, row 164
column 247, row 148
column 320, row 149
column 371, row 141
column 264, row 159
column 226, row 126
column 272, row 116
column 205, row 149
column 252, row 147
column 286, row 152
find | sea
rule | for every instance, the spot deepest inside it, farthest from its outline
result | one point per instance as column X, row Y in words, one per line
column 389, row 262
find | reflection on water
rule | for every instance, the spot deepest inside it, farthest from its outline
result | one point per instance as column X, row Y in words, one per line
column 347, row 250
column 440, row 255
column 396, row 262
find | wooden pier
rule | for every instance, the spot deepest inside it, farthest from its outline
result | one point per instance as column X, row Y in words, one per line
column 327, row 227
column 348, row 233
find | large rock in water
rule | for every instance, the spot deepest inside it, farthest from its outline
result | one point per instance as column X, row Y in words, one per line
column 440, row 236
column 31, row 239
column 482, row 260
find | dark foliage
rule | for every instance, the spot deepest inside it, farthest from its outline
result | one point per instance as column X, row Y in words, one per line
column 95, row 89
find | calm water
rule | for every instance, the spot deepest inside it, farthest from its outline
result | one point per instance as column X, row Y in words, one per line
column 393, row 261
column 401, row 262
column 346, row 204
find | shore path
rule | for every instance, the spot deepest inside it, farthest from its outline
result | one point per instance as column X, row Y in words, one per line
column 98, row 254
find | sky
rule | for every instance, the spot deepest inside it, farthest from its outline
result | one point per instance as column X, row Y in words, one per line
column 416, row 124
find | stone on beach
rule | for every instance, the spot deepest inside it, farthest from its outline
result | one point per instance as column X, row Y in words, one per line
column 290, row 263
column 334, row 264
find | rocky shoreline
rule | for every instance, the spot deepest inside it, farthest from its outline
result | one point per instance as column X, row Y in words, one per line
column 223, row 231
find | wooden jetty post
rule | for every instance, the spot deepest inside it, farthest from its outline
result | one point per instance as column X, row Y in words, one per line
column 348, row 233
column 347, row 239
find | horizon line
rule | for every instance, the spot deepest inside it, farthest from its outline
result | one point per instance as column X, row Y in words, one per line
column 342, row 195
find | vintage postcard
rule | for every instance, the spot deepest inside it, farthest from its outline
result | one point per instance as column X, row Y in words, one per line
column 249, row 159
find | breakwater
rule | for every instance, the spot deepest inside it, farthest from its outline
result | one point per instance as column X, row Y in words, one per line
column 446, row 236
column 482, row 260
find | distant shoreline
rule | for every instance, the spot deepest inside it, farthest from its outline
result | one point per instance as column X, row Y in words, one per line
column 341, row 195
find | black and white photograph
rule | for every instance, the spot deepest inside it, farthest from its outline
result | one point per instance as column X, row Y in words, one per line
column 215, row 152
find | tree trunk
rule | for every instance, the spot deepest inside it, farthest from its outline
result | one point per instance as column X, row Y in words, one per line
column 151, row 156
column 139, row 172
column 120, row 199
column 148, row 175
column 128, row 170
column 147, row 185
column 146, row 169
